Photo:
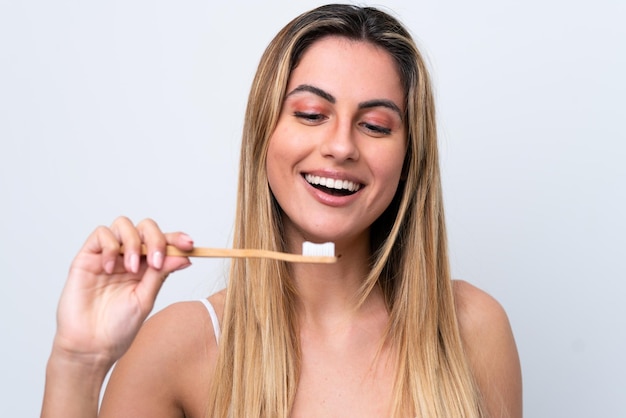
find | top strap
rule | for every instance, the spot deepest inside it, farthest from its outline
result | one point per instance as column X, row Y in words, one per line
column 216, row 324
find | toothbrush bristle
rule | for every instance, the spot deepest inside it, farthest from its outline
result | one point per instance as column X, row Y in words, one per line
column 326, row 249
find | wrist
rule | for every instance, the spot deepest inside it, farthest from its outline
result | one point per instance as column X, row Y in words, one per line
column 73, row 384
column 81, row 364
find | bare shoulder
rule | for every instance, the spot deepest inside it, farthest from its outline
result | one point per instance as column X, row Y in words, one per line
column 491, row 349
column 167, row 370
column 476, row 308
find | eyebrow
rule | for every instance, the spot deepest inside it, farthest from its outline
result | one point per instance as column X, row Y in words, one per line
column 330, row 98
column 315, row 90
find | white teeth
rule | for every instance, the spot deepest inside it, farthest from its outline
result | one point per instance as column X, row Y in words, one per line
column 332, row 183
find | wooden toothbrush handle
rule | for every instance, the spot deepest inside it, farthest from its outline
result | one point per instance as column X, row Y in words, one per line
column 244, row 253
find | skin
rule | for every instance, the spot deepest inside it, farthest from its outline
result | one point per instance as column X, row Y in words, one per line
column 333, row 124
column 346, row 133
column 166, row 371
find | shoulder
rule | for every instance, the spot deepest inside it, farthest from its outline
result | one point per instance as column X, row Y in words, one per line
column 476, row 309
column 491, row 349
column 168, row 368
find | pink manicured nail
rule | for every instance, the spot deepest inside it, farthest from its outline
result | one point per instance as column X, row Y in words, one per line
column 134, row 263
column 109, row 266
column 186, row 237
column 183, row 267
column 157, row 260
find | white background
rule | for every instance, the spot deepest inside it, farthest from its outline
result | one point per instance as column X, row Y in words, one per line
column 135, row 107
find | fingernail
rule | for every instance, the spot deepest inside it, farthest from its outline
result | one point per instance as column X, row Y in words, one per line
column 134, row 263
column 157, row 260
column 109, row 266
column 186, row 238
column 183, row 267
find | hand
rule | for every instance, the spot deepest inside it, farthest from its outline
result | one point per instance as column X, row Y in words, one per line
column 108, row 295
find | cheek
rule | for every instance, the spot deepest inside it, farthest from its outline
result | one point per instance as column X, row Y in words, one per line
column 279, row 161
column 272, row 163
column 277, row 147
column 389, row 171
column 286, row 148
column 390, row 168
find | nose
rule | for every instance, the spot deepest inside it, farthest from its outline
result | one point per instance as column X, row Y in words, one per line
column 340, row 143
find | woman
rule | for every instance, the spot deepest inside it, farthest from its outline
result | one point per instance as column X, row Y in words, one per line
column 339, row 145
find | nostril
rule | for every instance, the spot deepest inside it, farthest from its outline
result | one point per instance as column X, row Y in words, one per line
column 340, row 150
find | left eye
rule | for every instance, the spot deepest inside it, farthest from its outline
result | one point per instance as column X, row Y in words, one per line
column 379, row 130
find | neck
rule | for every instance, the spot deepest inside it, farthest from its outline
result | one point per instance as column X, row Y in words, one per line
column 327, row 293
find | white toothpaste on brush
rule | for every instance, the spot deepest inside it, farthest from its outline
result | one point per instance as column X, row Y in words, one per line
column 326, row 249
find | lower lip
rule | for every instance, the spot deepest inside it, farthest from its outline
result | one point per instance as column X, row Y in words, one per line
column 329, row 199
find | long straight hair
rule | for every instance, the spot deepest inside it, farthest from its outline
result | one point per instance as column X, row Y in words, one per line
column 259, row 353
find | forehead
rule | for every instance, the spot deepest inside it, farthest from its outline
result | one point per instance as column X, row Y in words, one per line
column 352, row 67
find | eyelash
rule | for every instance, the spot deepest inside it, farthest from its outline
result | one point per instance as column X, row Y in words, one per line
column 310, row 117
column 317, row 117
column 380, row 130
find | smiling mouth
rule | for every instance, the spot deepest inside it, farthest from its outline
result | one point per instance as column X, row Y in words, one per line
column 333, row 187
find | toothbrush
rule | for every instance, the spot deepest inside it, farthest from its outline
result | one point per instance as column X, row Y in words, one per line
column 311, row 253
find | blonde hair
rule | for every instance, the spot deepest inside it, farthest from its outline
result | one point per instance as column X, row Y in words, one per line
column 259, row 357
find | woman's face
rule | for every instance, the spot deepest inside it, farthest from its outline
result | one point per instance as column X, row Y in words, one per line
column 335, row 158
